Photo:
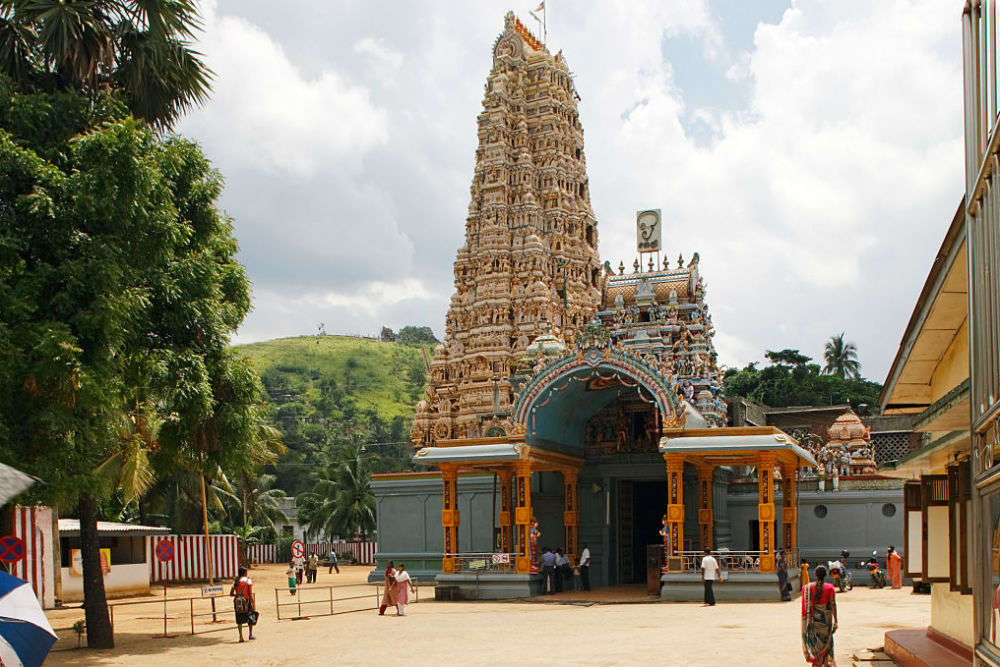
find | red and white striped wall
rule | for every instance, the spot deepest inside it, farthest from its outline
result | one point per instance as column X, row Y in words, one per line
column 262, row 553
column 34, row 526
column 190, row 562
column 363, row 552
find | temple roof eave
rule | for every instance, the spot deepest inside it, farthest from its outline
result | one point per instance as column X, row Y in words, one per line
column 733, row 441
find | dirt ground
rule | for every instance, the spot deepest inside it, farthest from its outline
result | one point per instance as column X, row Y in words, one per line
column 481, row 633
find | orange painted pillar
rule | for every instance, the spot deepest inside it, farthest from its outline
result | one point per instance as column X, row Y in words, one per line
column 450, row 517
column 523, row 516
column 789, row 510
column 506, row 512
column 571, row 514
column 675, row 503
column 706, row 519
column 765, row 509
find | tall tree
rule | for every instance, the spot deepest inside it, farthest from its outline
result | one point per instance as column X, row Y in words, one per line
column 138, row 47
column 115, row 265
column 841, row 358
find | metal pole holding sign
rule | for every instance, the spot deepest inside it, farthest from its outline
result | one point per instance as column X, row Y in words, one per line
column 165, row 554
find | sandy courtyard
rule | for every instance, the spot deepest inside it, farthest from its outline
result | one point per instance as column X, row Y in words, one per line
column 488, row 633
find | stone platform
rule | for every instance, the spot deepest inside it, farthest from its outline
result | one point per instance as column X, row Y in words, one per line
column 741, row 587
column 470, row 586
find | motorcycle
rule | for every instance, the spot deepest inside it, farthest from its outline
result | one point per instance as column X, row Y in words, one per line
column 877, row 575
column 840, row 576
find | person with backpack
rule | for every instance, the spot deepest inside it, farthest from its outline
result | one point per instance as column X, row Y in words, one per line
column 244, row 603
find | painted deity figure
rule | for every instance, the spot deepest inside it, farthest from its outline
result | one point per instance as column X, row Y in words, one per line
column 534, row 534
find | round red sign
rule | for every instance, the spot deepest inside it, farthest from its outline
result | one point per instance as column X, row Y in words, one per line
column 165, row 550
column 11, row 549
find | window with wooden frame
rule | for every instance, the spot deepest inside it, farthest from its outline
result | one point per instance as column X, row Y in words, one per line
column 913, row 531
column 935, row 519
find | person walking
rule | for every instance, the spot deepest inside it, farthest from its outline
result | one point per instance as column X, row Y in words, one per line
column 585, row 567
column 562, row 571
column 290, row 573
column 709, row 575
column 819, row 620
column 389, row 597
column 404, row 585
column 311, row 566
column 332, row 559
column 784, row 588
column 244, row 602
column 895, row 564
column 548, row 571
column 300, row 564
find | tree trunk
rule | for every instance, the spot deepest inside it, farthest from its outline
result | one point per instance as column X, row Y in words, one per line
column 95, row 604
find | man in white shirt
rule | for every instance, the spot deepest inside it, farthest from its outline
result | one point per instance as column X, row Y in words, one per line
column 709, row 574
column 585, row 567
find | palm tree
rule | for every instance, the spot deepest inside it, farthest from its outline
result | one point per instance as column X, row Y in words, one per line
column 138, row 47
column 342, row 494
column 257, row 501
column 841, row 358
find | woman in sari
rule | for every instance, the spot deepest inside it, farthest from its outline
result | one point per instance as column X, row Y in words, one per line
column 403, row 587
column 819, row 620
column 895, row 565
column 389, row 597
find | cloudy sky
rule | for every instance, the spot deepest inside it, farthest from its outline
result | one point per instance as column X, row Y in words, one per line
column 810, row 151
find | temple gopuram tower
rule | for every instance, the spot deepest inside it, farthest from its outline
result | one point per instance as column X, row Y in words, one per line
column 529, row 266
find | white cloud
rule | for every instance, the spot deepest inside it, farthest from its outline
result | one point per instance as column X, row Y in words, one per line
column 266, row 112
column 816, row 208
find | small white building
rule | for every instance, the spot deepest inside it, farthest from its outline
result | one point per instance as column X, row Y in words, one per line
column 290, row 527
column 124, row 557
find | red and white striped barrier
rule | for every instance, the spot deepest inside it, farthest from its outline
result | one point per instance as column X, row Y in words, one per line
column 34, row 526
column 262, row 553
column 190, row 562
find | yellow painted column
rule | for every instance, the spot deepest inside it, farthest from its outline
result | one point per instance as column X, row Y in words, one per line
column 506, row 512
column 789, row 510
column 523, row 516
column 450, row 517
column 571, row 514
column 706, row 520
column 675, row 503
column 765, row 509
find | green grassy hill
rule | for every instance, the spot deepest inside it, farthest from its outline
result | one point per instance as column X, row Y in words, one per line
column 328, row 390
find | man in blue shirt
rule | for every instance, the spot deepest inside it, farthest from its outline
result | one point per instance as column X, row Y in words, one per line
column 548, row 571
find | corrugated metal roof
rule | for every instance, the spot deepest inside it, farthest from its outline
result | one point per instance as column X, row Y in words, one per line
column 71, row 528
column 13, row 482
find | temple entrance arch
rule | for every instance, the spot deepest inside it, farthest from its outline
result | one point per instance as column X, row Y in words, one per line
column 608, row 407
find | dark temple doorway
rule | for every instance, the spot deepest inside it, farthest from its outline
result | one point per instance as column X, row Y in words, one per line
column 649, row 503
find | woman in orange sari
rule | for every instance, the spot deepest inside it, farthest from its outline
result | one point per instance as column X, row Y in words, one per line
column 819, row 620
column 895, row 565
column 389, row 597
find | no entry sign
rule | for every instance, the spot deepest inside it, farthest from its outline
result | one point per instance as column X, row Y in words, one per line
column 11, row 549
column 298, row 549
column 165, row 550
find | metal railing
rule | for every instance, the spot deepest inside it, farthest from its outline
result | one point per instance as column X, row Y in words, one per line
column 485, row 563
column 163, row 603
column 733, row 561
column 330, row 604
